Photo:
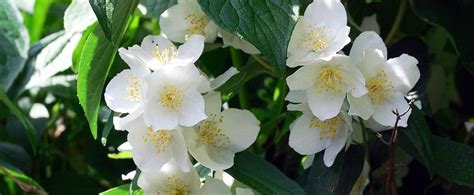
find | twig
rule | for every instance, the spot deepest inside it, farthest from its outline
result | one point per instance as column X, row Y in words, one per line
column 390, row 172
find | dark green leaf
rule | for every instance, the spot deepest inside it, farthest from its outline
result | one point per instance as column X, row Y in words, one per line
column 262, row 176
column 96, row 59
column 14, row 42
column 30, row 130
column 337, row 179
column 154, row 8
column 104, row 10
column 419, row 135
column 267, row 24
column 456, row 17
column 452, row 160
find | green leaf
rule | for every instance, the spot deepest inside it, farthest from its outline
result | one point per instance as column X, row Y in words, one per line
column 454, row 161
column 418, row 134
column 30, row 130
column 443, row 13
column 120, row 155
column 155, row 8
column 112, row 15
column 96, row 59
column 262, row 176
column 14, row 43
column 24, row 182
column 267, row 24
column 76, row 55
column 337, row 179
column 120, row 190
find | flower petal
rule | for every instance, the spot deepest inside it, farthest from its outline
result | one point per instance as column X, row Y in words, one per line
column 323, row 104
column 335, row 147
column 224, row 77
column 406, row 69
column 383, row 113
column 191, row 50
column 180, row 151
column 145, row 153
column 242, row 128
column 367, row 40
column 213, row 102
column 302, row 79
column 192, row 110
column 215, row 187
column 305, row 140
column 326, row 13
column 123, row 93
column 360, row 106
column 135, row 63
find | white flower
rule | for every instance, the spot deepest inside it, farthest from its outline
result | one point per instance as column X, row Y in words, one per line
column 214, row 141
column 387, row 81
column 152, row 148
column 126, row 91
column 309, row 135
column 237, row 42
column 158, row 52
column 319, row 34
column 174, row 98
column 169, row 180
column 181, row 21
column 326, row 84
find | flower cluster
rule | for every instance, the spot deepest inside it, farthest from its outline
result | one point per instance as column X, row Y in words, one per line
column 172, row 110
column 331, row 88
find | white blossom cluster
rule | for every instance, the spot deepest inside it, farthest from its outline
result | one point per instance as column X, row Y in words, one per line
column 170, row 110
column 331, row 88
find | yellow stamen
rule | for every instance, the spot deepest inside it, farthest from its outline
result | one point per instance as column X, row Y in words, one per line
column 317, row 39
column 133, row 89
column 165, row 55
column 161, row 138
column 379, row 87
column 329, row 79
column 209, row 132
column 171, row 98
column 176, row 186
column 328, row 128
column 198, row 25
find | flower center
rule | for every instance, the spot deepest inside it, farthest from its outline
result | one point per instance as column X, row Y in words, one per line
column 317, row 39
column 328, row 128
column 379, row 87
column 165, row 55
column 175, row 186
column 133, row 89
column 171, row 98
column 161, row 138
column 329, row 79
column 210, row 133
column 198, row 25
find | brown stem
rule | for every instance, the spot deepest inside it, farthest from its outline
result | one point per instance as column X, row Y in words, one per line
column 390, row 186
